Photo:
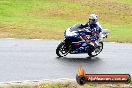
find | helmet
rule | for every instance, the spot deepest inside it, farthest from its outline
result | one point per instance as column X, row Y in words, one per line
column 93, row 19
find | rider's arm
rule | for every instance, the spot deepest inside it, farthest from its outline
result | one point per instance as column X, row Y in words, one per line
column 99, row 25
column 84, row 26
column 96, row 32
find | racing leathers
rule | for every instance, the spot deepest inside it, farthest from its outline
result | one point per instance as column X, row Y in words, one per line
column 95, row 30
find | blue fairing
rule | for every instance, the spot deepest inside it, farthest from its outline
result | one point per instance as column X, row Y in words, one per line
column 80, row 46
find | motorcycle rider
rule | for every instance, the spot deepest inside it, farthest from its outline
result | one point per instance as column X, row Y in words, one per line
column 95, row 29
column 92, row 26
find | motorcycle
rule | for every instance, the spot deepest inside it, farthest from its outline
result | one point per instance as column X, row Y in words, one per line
column 73, row 43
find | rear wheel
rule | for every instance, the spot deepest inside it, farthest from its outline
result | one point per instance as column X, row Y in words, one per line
column 62, row 50
column 96, row 51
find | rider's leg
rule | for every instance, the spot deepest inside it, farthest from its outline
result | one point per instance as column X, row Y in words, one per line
column 86, row 39
column 88, row 42
column 93, row 41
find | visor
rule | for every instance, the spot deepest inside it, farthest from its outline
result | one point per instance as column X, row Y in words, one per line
column 91, row 19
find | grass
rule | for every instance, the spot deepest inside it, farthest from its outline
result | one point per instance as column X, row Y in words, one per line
column 47, row 19
column 66, row 84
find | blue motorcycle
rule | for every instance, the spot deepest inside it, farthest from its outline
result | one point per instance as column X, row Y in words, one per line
column 73, row 43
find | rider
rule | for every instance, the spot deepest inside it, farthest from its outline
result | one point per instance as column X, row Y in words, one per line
column 95, row 28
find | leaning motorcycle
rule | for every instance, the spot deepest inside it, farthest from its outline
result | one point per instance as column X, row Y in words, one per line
column 73, row 44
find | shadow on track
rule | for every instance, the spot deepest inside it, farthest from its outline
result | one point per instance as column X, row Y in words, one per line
column 80, row 59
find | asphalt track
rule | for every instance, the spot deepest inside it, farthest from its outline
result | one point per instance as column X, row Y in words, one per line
column 22, row 59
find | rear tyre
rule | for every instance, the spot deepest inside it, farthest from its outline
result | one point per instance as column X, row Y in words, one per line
column 61, row 50
column 96, row 51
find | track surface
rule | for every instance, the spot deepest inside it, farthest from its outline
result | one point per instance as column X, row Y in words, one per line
column 36, row 60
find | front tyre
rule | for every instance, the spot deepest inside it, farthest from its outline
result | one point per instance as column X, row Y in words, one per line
column 96, row 51
column 61, row 50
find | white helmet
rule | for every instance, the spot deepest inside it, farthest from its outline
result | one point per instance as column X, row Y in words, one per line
column 93, row 19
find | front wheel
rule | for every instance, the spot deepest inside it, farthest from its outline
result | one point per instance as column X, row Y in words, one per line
column 96, row 51
column 62, row 50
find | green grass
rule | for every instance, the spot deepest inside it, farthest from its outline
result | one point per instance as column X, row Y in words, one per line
column 47, row 19
column 66, row 85
column 122, row 33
